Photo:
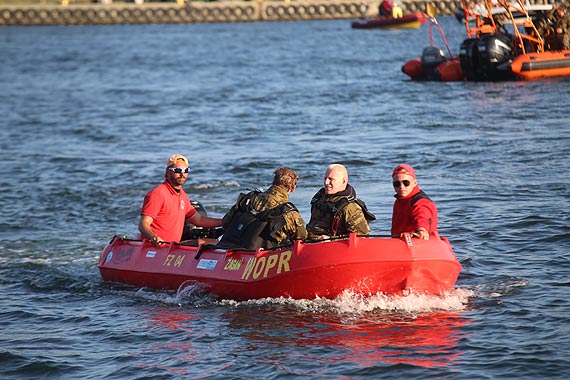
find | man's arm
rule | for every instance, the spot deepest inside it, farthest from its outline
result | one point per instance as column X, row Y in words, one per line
column 204, row 221
column 146, row 231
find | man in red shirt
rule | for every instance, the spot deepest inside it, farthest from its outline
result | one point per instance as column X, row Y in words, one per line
column 413, row 212
column 166, row 207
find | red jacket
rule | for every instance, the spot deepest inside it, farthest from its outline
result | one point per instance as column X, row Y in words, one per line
column 409, row 218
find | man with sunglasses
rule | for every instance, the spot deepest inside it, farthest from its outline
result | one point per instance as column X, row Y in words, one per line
column 413, row 211
column 167, row 207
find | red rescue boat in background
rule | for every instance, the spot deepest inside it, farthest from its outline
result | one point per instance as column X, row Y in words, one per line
column 390, row 16
column 407, row 21
column 306, row 270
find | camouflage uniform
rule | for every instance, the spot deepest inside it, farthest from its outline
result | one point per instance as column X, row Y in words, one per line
column 350, row 218
column 549, row 27
column 275, row 196
column 562, row 24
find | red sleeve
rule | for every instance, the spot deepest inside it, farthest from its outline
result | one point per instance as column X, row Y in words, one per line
column 424, row 215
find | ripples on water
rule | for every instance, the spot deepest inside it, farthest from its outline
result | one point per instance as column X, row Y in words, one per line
column 91, row 113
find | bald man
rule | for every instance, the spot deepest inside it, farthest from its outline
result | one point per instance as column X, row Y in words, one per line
column 335, row 210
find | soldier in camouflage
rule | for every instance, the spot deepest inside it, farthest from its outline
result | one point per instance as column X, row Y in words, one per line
column 335, row 210
column 283, row 226
column 555, row 28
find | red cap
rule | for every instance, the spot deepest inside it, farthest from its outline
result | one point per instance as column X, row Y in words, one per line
column 404, row 169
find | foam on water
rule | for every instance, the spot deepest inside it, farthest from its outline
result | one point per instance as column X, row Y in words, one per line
column 350, row 303
column 347, row 303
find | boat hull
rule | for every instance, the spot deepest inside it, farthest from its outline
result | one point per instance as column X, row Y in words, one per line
column 409, row 21
column 361, row 265
column 447, row 71
column 542, row 65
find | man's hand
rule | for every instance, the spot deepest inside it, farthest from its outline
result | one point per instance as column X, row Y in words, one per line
column 422, row 233
column 156, row 240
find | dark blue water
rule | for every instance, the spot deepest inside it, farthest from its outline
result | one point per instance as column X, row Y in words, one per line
column 90, row 114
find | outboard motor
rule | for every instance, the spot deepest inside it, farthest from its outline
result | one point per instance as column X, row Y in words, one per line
column 431, row 58
column 469, row 58
column 487, row 58
column 194, row 232
column 496, row 53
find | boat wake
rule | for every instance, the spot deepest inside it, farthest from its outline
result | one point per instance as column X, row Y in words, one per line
column 351, row 303
column 347, row 303
column 493, row 292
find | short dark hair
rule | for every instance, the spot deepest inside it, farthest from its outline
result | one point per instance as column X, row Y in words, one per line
column 286, row 177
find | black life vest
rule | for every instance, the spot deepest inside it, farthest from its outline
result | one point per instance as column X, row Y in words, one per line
column 418, row 196
column 342, row 203
column 333, row 208
column 251, row 229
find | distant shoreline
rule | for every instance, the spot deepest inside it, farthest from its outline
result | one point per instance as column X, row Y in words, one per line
column 50, row 12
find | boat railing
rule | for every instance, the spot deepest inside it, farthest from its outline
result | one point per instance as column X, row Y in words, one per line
column 488, row 21
column 483, row 18
column 534, row 38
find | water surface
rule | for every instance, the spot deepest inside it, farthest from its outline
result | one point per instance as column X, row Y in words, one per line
column 90, row 115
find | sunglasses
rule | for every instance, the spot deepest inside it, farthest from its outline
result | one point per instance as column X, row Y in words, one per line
column 405, row 182
column 179, row 170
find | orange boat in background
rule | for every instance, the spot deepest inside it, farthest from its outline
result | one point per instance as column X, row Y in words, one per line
column 541, row 65
column 433, row 64
column 502, row 44
column 361, row 265
column 493, row 53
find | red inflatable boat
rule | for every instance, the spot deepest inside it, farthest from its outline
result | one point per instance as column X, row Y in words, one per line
column 408, row 21
column 363, row 265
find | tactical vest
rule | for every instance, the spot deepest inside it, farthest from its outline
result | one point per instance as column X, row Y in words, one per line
column 332, row 209
column 251, row 229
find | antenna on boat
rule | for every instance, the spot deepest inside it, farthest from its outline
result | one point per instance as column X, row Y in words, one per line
column 431, row 11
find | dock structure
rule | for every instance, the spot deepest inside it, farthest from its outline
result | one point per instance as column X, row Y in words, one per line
column 107, row 12
column 182, row 11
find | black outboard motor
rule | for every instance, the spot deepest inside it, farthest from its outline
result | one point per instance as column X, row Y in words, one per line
column 194, row 232
column 431, row 58
column 469, row 59
column 487, row 58
column 496, row 54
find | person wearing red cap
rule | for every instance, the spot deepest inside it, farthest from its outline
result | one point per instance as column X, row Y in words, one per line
column 166, row 207
column 414, row 212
